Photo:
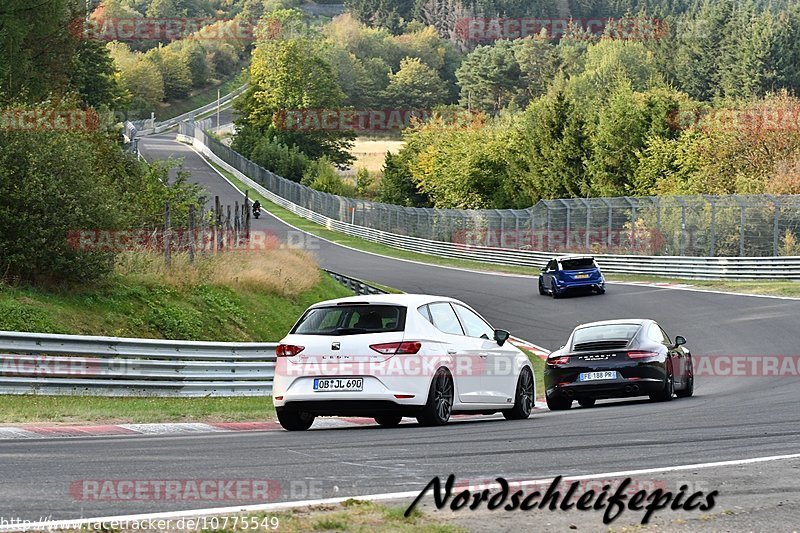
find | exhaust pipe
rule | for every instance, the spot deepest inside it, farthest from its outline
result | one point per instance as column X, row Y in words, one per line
column 570, row 393
column 631, row 388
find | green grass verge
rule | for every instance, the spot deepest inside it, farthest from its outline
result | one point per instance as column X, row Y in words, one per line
column 96, row 409
column 538, row 372
column 352, row 515
column 766, row 287
column 124, row 308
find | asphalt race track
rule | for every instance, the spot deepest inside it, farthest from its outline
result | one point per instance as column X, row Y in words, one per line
column 728, row 418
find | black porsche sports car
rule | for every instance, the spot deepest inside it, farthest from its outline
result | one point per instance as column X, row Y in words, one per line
column 617, row 359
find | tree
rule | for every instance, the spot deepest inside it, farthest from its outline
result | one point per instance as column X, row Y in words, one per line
column 490, row 77
column 288, row 162
column 415, row 85
column 36, row 50
column 553, row 148
column 539, row 62
column 291, row 76
column 174, row 71
column 397, row 186
column 139, row 77
column 94, row 76
column 194, row 56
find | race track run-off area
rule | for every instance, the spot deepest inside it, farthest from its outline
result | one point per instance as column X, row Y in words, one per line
column 730, row 418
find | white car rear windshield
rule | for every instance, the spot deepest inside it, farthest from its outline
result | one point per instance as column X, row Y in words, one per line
column 351, row 320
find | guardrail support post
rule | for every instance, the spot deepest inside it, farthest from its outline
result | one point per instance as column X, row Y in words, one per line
column 167, row 236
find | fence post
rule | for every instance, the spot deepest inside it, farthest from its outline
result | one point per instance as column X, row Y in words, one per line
column 247, row 215
column 713, row 228
column 741, row 232
column 776, row 227
column 218, row 222
column 588, row 226
column 167, row 236
column 191, row 233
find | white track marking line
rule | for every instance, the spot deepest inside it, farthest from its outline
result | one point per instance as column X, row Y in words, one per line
column 691, row 288
column 372, row 497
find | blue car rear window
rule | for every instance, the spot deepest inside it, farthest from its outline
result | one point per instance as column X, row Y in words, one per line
column 577, row 264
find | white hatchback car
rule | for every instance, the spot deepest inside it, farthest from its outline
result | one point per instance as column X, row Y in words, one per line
column 395, row 355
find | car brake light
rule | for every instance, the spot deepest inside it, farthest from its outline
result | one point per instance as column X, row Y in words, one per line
column 563, row 360
column 393, row 348
column 288, row 350
column 641, row 355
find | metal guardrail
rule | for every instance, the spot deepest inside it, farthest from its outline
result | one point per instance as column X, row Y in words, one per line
column 134, row 129
column 356, row 285
column 671, row 266
column 34, row 363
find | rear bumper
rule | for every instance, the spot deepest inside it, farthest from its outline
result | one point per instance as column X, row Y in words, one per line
column 366, row 408
column 622, row 389
column 582, row 285
column 640, row 379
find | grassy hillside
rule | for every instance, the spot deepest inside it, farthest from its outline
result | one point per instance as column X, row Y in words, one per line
column 239, row 296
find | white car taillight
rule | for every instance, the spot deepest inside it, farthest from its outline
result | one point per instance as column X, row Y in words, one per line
column 288, row 350
column 394, row 348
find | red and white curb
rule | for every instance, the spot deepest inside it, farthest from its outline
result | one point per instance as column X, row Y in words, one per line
column 31, row 431
column 536, row 350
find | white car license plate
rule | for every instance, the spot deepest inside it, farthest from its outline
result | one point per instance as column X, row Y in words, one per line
column 582, row 276
column 594, row 376
column 338, row 384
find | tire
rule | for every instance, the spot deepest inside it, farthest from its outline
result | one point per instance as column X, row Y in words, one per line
column 601, row 291
column 558, row 404
column 587, row 402
column 523, row 402
column 555, row 293
column 688, row 392
column 440, row 400
column 542, row 292
column 292, row 420
column 667, row 392
column 388, row 421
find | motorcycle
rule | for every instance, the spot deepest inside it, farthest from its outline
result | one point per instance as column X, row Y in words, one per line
column 256, row 211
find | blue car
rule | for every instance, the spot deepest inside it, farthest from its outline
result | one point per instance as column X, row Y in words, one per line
column 571, row 273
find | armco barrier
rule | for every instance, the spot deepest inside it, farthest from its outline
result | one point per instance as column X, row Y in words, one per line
column 112, row 366
column 671, row 266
